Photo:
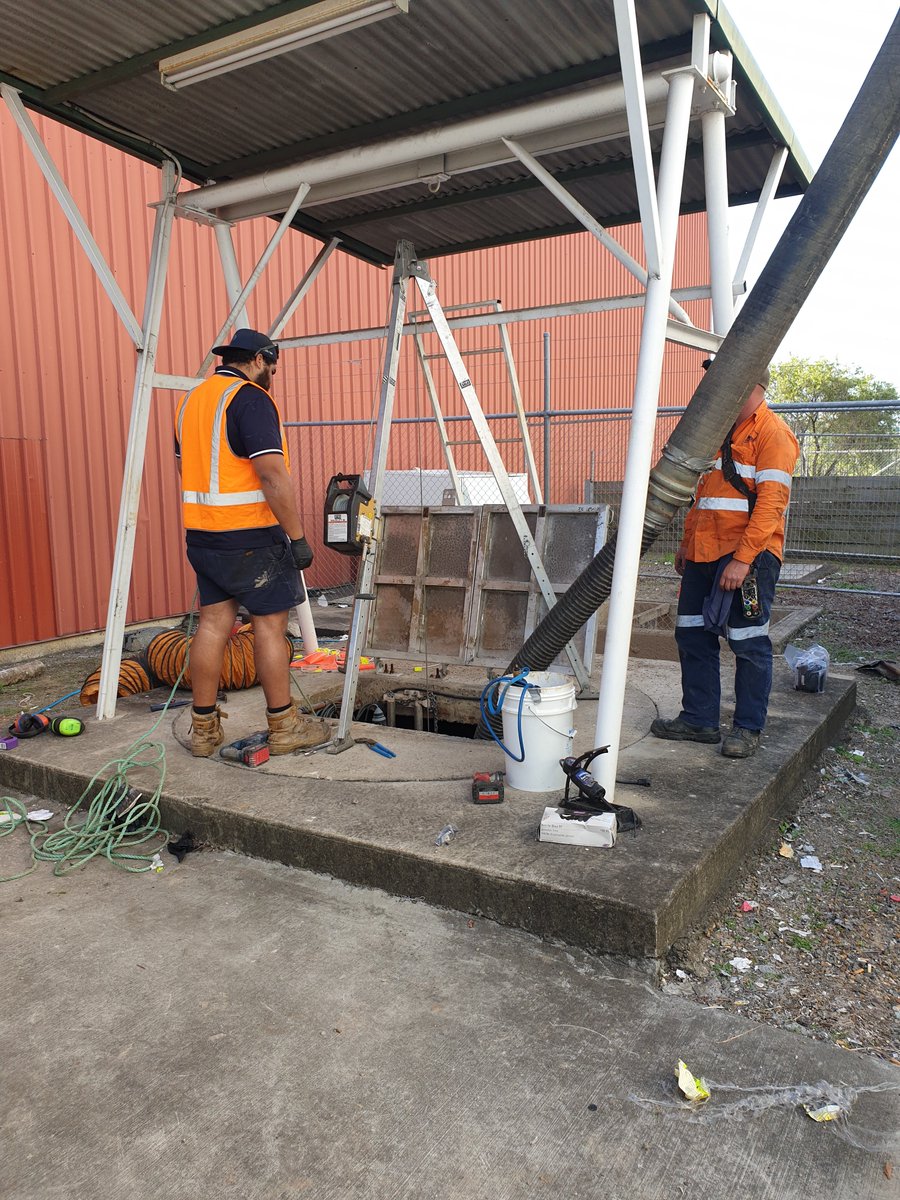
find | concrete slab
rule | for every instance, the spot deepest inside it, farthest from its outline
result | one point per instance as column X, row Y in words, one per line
column 374, row 821
column 234, row 1030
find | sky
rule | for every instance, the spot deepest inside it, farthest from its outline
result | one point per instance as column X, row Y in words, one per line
column 815, row 55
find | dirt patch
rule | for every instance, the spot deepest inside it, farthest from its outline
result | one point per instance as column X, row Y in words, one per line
column 815, row 950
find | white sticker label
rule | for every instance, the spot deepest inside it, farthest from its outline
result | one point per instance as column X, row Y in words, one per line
column 337, row 527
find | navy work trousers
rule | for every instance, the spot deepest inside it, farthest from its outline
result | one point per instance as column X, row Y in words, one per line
column 698, row 648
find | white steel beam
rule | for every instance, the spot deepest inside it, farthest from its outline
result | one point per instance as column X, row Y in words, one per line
column 611, row 702
column 231, row 271
column 134, row 453
column 72, row 213
column 283, row 226
column 541, row 312
column 297, row 296
column 535, row 118
column 591, row 224
column 769, row 188
column 638, row 132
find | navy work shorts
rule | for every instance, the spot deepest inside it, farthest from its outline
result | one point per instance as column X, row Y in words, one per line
column 263, row 579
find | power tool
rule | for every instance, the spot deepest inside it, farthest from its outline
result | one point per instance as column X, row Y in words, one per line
column 591, row 797
column 487, row 788
column 251, row 751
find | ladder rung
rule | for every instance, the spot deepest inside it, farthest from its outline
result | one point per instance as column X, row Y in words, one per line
column 489, row 350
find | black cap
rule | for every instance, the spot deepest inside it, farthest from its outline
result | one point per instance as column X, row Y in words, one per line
column 251, row 342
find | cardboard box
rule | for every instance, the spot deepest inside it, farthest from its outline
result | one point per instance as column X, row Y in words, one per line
column 595, row 831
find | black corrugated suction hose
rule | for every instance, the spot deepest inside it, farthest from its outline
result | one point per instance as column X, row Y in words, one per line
column 854, row 159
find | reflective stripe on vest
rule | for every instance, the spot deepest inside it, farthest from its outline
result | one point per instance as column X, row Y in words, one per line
column 724, row 503
column 214, row 496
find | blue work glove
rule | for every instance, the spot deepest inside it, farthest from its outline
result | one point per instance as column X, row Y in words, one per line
column 302, row 553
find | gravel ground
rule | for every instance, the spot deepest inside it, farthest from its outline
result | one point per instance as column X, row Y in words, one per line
column 816, row 950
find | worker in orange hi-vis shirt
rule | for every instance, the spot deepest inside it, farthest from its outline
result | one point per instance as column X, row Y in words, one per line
column 729, row 561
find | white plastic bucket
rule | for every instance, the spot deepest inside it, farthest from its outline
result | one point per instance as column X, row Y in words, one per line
column 547, row 731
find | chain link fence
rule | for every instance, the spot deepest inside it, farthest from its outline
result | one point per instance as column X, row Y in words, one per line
column 846, row 492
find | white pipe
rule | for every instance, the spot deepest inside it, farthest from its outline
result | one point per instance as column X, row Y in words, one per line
column 611, row 701
column 715, row 175
column 232, row 273
column 135, row 450
column 283, row 226
column 535, row 117
column 306, row 622
column 591, row 224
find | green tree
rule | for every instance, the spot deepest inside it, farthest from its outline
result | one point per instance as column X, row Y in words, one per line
column 838, row 443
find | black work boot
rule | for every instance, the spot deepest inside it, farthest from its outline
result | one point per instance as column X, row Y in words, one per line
column 741, row 743
column 677, row 730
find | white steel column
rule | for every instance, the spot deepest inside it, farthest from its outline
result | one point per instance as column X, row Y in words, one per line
column 299, row 292
column 231, row 271
column 134, row 454
column 283, row 226
column 611, row 701
column 715, row 175
column 70, row 209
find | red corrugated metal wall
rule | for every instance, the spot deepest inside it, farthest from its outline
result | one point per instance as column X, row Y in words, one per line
column 66, row 372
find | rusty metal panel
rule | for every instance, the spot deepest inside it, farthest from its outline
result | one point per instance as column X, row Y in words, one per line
column 471, row 597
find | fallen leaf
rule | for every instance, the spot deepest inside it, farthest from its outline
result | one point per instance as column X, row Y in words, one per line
column 888, row 1170
column 785, row 850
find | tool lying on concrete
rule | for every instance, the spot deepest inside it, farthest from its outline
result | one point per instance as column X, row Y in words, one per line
column 251, row 751
column 169, row 704
column 376, row 746
column 487, row 787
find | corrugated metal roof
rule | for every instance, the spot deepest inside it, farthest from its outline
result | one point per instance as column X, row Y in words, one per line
column 93, row 64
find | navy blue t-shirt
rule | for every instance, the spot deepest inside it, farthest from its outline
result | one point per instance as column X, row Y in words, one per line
column 252, row 428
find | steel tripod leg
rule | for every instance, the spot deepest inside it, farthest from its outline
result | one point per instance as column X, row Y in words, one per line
column 404, row 266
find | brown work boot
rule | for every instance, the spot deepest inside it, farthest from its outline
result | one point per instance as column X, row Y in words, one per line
column 290, row 731
column 206, row 732
column 741, row 743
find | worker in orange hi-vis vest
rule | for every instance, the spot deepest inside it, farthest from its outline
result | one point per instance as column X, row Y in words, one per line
column 729, row 561
column 244, row 536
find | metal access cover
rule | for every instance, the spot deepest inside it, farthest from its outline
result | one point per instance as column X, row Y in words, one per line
column 453, row 584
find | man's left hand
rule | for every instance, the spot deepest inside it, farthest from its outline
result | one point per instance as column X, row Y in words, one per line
column 734, row 575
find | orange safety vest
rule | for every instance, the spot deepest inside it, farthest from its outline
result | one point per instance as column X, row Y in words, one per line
column 765, row 454
column 220, row 492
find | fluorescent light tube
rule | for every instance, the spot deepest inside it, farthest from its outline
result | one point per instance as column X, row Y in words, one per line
column 313, row 24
